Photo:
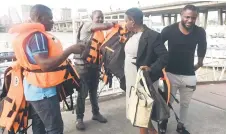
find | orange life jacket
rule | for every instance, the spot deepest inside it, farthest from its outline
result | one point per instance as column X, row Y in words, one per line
column 96, row 42
column 91, row 53
column 33, row 73
column 112, row 54
column 13, row 106
column 14, row 111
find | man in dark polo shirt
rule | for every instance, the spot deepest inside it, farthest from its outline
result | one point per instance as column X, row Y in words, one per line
column 183, row 37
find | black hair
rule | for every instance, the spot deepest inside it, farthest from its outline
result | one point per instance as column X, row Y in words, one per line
column 38, row 11
column 190, row 7
column 136, row 14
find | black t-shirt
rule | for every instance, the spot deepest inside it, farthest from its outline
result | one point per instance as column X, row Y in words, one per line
column 182, row 47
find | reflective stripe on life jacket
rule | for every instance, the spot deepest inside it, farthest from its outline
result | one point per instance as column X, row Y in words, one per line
column 40, row 79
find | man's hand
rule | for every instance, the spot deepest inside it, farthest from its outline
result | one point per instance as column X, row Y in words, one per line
column 77, row 48
column 145, row 68
column 197, row 66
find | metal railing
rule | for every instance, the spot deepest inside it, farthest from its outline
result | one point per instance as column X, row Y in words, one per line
column 213, row 70
column 214, row 65
column 103, row 90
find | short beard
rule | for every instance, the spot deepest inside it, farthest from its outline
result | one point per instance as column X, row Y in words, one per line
column 188, row 29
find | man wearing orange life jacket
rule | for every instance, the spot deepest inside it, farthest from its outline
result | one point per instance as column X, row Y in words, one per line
column 88, row 66
column 35, row 49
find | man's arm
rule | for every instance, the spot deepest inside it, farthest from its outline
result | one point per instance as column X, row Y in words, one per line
column 92, row 27
column 162, row 54
column 164, row 34
column 39, row 50
column 101, row 26
column 201, row 51
column 47, row 64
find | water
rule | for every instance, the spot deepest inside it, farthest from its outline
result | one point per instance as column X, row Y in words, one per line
column 65, row 38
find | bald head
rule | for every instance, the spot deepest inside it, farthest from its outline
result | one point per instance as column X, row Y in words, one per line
column 42, row 14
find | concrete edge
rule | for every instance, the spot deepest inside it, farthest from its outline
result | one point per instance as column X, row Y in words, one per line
column 209, row 104
column 210, row 82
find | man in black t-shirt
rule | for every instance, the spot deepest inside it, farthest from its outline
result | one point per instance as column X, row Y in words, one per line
column 183, row 37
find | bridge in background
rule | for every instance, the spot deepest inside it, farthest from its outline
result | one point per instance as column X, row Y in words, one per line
column 168, row 12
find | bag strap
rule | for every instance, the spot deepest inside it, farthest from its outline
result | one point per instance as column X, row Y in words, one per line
column 139, row 77
column 79, row 32
column 68, row 107
column 143, row 90
column 176, row 116
column 88, row 39
column 145, row 83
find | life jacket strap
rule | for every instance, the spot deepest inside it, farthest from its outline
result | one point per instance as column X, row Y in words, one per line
column 70, row 108
column 176, row 116
column 8, row 99
column 96, row 41
column 41, row 71
column 12, row 111
column 13, row 108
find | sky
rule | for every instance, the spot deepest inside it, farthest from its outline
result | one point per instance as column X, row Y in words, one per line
column 75, row 4
column 103, row 5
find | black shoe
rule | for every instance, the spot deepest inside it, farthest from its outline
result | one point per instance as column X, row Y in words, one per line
column 163, row 127
column 80, row 124
column 99, row 118
column 182, row 130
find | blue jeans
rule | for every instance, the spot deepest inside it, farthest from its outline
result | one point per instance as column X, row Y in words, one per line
column 46, row 116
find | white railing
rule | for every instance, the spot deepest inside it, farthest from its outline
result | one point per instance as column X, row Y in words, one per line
column 214, row 65
column 103, row 90
column 213, row 70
